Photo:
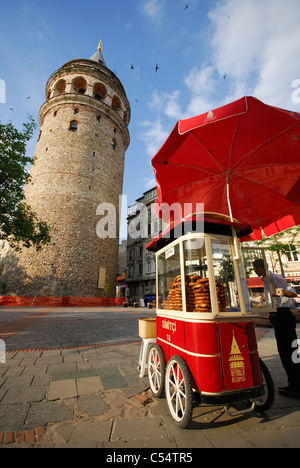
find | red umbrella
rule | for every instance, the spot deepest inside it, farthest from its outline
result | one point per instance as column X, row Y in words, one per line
column 240, row 160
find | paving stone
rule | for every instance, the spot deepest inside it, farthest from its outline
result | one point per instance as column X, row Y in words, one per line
column 88, row 385
column 111, row 377
column 138, row 429
column 20, row 395
column 16, row 382
column 90, row 433
column 115, row 399
column 61, row 389
column 74, row 374
column 92, row 405
column 65, row 431
column 40, row 414
column 12, row 416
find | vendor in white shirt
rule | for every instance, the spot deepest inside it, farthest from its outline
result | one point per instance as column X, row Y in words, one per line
column 284, row 323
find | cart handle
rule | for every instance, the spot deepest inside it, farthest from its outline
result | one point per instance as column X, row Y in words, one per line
column 232, row 414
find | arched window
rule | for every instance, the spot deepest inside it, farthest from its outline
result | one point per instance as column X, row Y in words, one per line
column 100, row 91
column 113, row 144
column 116, row 103
column 73, row 126
column 80, row 85
column 60, row 86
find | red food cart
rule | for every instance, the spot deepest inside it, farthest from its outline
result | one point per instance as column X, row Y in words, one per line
column 205, row 339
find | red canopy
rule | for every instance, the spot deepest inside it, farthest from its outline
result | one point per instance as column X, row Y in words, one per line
column 240, row 160
column 255, row 282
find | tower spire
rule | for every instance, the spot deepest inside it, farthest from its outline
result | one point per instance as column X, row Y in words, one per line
column 98, row 57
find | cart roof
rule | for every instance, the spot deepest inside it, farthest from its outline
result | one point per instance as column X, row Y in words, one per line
column 213, row 224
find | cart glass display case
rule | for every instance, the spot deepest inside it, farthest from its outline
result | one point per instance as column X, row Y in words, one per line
column 213, row 283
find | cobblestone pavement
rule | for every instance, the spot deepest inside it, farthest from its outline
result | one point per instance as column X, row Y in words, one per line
column 71, row 380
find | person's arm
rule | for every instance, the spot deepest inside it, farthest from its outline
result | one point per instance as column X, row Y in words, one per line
column 281, row 283
column 288, row 293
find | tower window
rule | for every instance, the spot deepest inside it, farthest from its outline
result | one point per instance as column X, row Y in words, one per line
column 116, row 103
column 76, row 111
column 100, row 91
column 98, row 118
column 113, row 144
column 73, row 126
column 61, row 86
column 80, row 85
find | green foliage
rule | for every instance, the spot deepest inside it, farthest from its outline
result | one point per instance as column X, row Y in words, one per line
column 18, row 223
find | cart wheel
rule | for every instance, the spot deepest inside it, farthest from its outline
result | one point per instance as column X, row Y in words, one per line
column 179, row 391
column 156, row 370
column 265, row 402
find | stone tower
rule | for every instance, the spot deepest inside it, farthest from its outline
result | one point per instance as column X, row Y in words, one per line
column 78, row 165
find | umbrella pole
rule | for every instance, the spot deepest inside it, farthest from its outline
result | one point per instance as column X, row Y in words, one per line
column 228, row 202
column 235, row 239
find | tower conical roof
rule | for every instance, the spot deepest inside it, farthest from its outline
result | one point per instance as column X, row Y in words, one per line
column 98, row 57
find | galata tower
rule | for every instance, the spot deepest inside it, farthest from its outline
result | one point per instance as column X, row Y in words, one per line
column 78, row 166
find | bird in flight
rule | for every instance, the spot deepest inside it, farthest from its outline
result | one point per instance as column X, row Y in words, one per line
column 156, row 68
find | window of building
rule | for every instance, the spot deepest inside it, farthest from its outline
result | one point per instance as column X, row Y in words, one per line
column 113, row 144
column 60, row 86
column 76, row 111
column 292, row 254
column 100, row 91
column 80, row 85
column 116, row 103
column 73, row 126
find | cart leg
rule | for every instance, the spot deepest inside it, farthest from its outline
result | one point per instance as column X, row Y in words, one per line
column 240, row 413
column 143, row 355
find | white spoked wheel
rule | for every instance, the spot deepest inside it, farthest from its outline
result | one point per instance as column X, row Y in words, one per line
column 179, row 391
column 156, row 370
column 265, row 402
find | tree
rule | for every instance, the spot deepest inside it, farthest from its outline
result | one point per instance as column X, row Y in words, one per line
column 19, row 225
column 282, row 243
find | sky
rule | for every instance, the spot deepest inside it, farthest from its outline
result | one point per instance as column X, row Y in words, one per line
column 209, row 53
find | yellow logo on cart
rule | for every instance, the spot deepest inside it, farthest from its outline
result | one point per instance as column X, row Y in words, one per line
column 237, row 366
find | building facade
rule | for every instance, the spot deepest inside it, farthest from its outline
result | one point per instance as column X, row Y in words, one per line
column 143, row 225
column 77, row 172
